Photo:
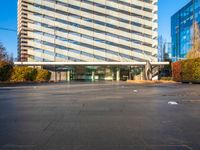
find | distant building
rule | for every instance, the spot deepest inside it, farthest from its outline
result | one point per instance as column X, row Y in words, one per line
column 181, row 29
column 164, row 50
column 161, row 49
column 169, row 50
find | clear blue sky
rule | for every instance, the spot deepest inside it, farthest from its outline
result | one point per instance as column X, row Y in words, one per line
column 8, row 19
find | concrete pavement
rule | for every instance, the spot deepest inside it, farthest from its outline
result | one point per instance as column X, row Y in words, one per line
column 100, row 116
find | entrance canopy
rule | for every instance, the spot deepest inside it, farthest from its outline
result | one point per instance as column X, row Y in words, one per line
column 89, row 63
column 63, row 67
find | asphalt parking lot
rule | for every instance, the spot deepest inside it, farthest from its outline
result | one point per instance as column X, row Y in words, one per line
column 100, row 116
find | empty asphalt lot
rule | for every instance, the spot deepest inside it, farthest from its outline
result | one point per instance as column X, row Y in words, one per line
column 100, row 116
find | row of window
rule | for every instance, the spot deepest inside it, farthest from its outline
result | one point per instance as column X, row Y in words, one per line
column 93, row 12
column 70, row 50
column 122, row 3
column 81, row 35
column 108, row 7
column 58, row 56
column 90, row 29
column 88, row 46
column 93, row 21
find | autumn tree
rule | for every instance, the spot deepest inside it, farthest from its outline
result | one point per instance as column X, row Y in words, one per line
column 195, row 50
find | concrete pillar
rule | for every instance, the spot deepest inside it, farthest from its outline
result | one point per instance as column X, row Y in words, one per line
column 52, row 76
column 118, row 74
column 63, row 76
column 113, row 75
column 142, row 74
column 59, row 76
column 68, row 75
column 93, row 75
column 55, row 74
column 130, row 74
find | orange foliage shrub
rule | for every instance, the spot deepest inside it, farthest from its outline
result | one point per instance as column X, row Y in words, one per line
column 177, row 71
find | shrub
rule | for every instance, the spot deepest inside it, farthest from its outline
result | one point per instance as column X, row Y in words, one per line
column 5, row 70
column 21, row 74
column 187, row 70
column 43, row 75
column 177, row 71
column 191, row 69
column 196, row 69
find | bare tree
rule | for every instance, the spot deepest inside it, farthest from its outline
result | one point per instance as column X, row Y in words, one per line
column 195, row 50
column 11, row 57
column 3, row 53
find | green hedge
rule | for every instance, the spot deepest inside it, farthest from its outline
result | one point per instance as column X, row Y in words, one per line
column 43, row 75
column 6, row 69
column 22, row 74
column 187, row 70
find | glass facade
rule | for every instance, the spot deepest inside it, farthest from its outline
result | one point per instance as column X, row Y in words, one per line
column 181, row 29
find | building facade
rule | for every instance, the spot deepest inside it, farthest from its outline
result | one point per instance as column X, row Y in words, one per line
column 164, row 50
column 181, row 29
column 87, row 30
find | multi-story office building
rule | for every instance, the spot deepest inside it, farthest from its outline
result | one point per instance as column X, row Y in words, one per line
column 182, row 29
column 87, row 30
column 169, row 50
column 164, row 50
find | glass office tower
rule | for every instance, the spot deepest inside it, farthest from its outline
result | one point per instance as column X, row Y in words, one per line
column 87, row 30
column 181, row 29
